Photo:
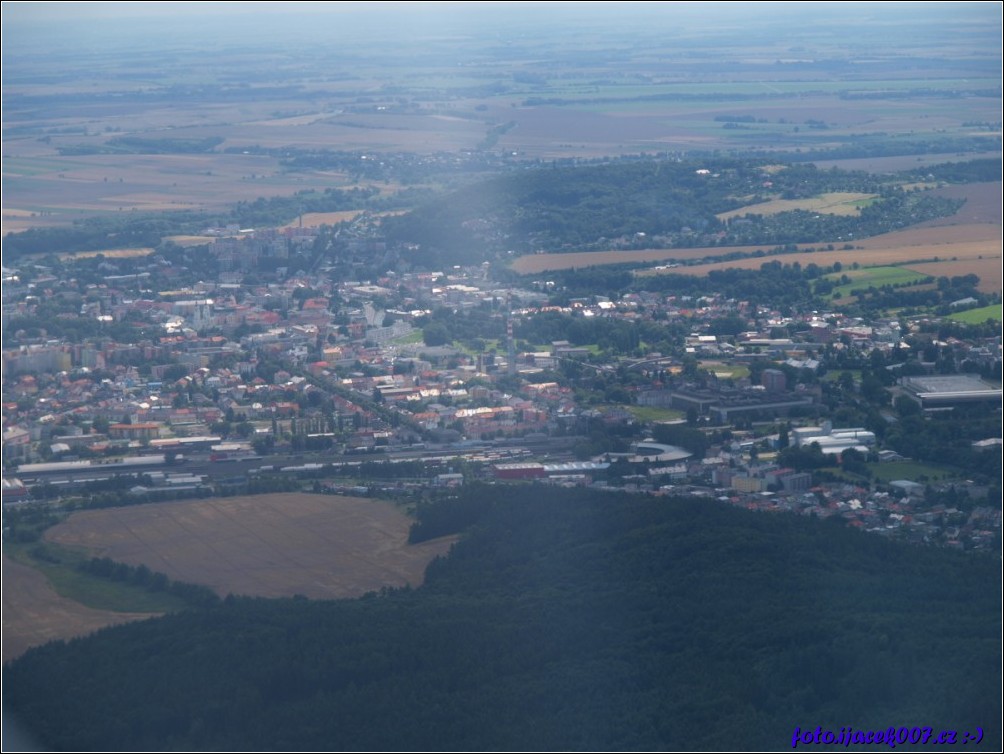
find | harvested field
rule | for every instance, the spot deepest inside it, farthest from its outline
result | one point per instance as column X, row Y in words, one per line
column 320, row 546
column 946, row 235
column 983, row 204
column 987, row 269
column 834, row 203
column 34, row 614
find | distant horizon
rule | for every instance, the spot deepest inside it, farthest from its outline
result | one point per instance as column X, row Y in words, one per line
column 31, row 28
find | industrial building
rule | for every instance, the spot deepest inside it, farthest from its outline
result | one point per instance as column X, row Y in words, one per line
column 833, row 441
column 949, row 391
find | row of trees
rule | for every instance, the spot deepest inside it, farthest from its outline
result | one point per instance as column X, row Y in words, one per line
column 194, row 595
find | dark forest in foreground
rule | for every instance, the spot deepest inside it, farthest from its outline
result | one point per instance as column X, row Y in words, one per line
column 563, row 620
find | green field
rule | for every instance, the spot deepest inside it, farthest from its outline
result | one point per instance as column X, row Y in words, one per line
column 875, row 277
column 59, row 565
column 911, row 471
column 978, row 316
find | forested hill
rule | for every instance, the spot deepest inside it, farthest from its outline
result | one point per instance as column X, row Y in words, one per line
column 661, row 203
column 565, row 620
column 547, row 208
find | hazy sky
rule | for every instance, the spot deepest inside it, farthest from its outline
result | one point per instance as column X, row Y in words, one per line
column 33, row 27
column 46, row 11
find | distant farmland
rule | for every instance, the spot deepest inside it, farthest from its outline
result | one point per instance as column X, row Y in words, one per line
column 980, row 258
column 942, row 251
column 320, row 546
column 532, row 264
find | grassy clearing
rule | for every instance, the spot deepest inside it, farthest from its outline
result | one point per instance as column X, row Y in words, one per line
column 58, row 564
column 410, row 339
column 978, row 316
column 911, row 471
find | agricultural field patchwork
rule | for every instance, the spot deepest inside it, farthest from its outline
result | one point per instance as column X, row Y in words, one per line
column 948, row 250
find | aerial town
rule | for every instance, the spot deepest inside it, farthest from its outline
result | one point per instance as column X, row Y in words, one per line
column 501, row 376
column 160, row 380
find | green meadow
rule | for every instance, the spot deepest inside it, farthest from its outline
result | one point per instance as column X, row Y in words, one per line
column 978, row 316
column 875, row 277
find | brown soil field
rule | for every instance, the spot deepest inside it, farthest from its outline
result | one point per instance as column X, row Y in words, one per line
column 983, row 204
column 987, row 269
column 320, row 546
column 942, row 235
column 34, row 614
